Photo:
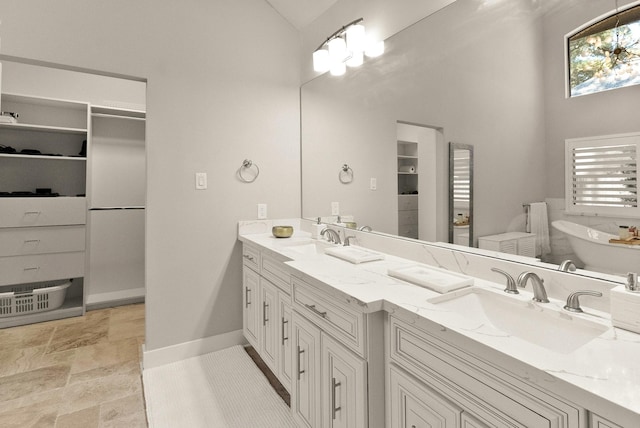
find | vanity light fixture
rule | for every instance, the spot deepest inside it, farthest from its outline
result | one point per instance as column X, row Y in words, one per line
column 345, row 47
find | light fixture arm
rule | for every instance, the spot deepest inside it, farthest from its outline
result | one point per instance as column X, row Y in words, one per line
column 339, row 32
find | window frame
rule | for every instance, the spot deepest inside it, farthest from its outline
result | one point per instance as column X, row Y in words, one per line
column 597, row 142
column 567, row 37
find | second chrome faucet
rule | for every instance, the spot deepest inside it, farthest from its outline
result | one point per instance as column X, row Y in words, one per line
column 539, row 292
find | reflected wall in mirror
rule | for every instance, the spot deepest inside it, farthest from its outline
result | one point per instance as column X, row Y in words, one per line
column 461, row 194
column 491, row 74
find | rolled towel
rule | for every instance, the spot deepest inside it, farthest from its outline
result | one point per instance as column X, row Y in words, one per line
column 407, row 168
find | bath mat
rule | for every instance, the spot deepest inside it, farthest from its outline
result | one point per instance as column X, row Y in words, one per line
column 221, row 389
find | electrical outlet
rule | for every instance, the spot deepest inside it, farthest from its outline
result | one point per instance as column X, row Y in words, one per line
column 373, row 184
column 335, row 208
column 262, row 211
column 201, row 180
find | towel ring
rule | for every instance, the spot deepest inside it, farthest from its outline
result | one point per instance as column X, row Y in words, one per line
column 247, row 164
column 346, row 174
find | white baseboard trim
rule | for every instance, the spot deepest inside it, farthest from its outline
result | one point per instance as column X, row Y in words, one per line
column 181, row 351
column 115, row 298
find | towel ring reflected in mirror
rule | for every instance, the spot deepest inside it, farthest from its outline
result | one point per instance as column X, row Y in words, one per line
column 346, row 174
column 248, row 171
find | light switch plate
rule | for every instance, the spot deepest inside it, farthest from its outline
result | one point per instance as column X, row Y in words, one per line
column 262, row 211
column 335, row 208
column 201, row 180
column 373, row 184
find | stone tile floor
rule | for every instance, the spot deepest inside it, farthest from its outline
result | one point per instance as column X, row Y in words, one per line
column 77, row 372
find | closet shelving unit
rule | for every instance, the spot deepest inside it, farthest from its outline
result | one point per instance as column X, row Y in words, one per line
column 116, row 204
column 407, row 156
column 42, row 238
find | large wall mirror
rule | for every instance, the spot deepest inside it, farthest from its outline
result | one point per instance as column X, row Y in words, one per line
column 485, row 73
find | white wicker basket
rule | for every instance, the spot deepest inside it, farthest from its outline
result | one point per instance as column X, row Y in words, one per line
column 31, row 298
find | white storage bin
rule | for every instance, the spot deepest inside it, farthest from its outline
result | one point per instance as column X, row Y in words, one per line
column 31, row 298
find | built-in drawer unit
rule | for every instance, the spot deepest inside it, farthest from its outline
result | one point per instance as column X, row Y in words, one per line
column 340, row 319
column 18, row 241
column 488, row 392
column 26, row 212
column 272, row 268
column 41, row 267
column 251, row 257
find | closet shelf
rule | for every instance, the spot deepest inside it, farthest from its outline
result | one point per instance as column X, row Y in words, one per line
column 66, row 158
column 43, row 128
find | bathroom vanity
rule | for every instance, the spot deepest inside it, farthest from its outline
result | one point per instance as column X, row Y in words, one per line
column 357, row 347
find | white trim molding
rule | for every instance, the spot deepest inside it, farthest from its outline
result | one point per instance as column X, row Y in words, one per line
column 170, row 354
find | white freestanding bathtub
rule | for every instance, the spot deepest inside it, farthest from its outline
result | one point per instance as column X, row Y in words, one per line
column 593, row 248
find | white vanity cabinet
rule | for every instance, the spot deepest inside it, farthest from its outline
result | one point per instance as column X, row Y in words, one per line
column 266, row 317
column 349, row 379
column 486, row 394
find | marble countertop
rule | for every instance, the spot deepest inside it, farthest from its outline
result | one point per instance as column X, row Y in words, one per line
column 606, row 368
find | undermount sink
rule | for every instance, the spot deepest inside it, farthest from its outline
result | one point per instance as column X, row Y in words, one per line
column 354, row 254
column 549, row 328
column 305, row 247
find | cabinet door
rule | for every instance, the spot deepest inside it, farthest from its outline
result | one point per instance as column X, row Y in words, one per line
column 305, row 394
column 413, row 405
column 251, row 306
column 284, row 340
column 468, row 421
column 343, row 387
column 269, row 323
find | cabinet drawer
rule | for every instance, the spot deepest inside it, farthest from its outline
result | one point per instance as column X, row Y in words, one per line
column 20, row 241
column 274, row 270
column 251, row 257
column 408, row 231
column 25, row 212
column 492, row 397
column 407, row 202
column 408, row 218
column 340, row 320
column 41, row 267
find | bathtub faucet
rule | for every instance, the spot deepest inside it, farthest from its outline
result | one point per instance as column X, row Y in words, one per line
column 567, row 266
column 539, row 293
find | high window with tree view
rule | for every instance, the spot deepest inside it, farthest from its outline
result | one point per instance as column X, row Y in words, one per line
column 606, row 55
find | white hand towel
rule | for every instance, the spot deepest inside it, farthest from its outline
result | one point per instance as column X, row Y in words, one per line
column 540, row 226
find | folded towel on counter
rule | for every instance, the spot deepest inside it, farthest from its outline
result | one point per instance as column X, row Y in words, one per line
column 540, row 226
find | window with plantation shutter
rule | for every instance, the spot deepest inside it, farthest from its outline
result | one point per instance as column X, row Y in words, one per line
column 602, row 175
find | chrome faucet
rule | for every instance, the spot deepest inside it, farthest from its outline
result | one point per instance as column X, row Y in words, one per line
column 573, row 304
column 511, row 283
column 567, row 266
column 333, row 235
column 347, row 240
column 539, row 293
column 365, row 228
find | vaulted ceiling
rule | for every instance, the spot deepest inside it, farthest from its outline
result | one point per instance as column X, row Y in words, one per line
column 300, row 13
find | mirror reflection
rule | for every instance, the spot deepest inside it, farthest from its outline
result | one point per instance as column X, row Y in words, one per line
column 489, row 74
column 461, row 194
